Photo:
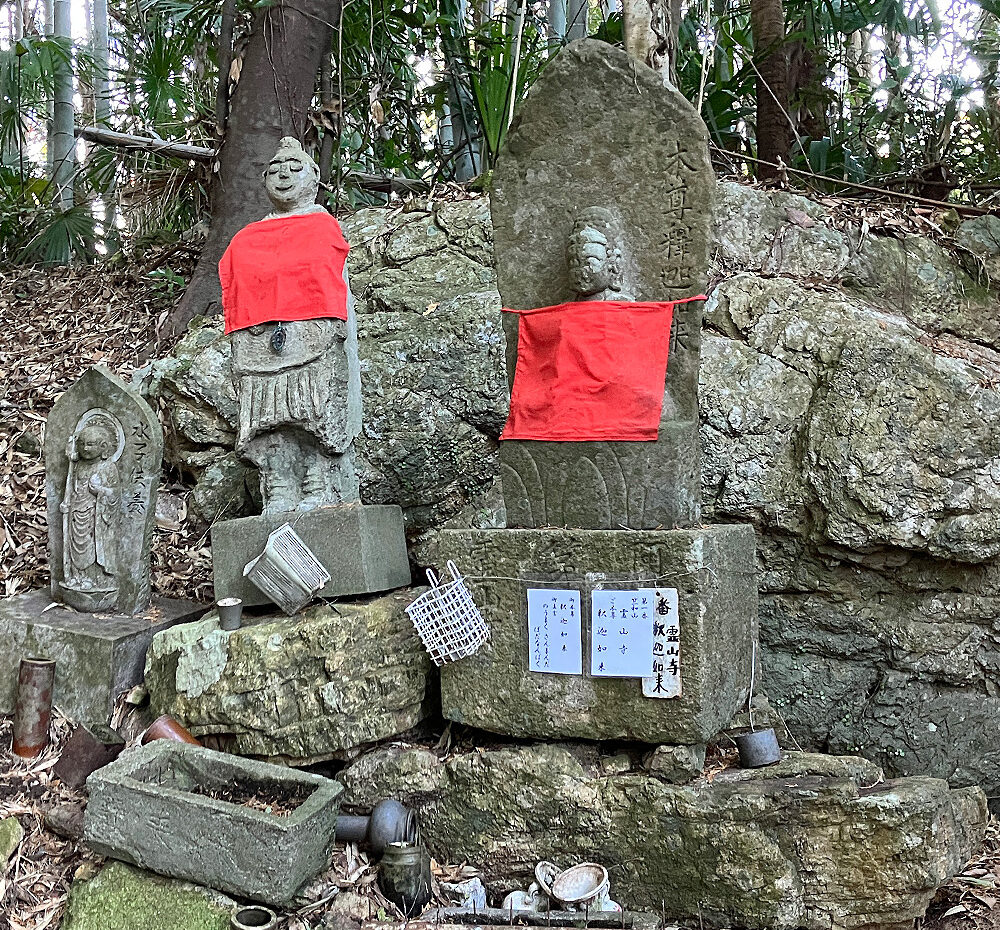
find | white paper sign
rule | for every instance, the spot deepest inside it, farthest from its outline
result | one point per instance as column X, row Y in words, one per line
column 621, row 634
column 555, row 635
column 665, row 681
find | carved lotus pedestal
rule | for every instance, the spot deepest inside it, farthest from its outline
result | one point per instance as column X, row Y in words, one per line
column 713, row 570
column 362, row 547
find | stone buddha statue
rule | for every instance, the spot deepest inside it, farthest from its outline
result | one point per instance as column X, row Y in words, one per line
column 298, row 381
column 597, row 258
column 91, row 509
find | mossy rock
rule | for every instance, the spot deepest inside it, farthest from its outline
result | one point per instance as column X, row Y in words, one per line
column 124, row 898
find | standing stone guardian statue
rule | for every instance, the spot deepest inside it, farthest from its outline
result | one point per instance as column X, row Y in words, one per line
column 289, row 309
column 290, row 315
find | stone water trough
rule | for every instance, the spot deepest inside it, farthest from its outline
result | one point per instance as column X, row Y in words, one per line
column 248, row 828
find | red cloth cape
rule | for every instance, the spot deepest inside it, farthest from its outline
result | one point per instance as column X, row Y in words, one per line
column 284, row 269
column 590, row 370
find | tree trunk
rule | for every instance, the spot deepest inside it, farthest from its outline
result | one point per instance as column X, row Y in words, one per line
column 272, row 99
column 63, row 141
column 774, row 140
column 651, row 29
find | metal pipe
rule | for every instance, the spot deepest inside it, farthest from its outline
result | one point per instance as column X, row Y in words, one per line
column 390, row 822
column 165, row 727
column 33, row 706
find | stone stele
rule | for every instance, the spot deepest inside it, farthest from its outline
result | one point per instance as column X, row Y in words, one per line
column 103, row 454
column 713, row 569
column 600, row 129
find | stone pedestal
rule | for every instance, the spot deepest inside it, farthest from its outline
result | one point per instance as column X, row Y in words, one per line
column 713, row 569
column 362, row 547
column 97, row 655
column 297, row 689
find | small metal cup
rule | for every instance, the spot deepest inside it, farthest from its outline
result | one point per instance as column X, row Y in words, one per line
column 758, row 748
column 230, row 612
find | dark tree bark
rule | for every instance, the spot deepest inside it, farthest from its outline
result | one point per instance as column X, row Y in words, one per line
column 272, row 99
column 774, row 137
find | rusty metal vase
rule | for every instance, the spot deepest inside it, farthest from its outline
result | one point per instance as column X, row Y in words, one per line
column 33, row 706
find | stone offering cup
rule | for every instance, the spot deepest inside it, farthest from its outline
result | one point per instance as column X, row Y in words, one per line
column 255, row 916
column 230, row 613
column 758, row 748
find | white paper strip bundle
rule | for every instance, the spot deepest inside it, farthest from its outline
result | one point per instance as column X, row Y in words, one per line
column 287, row 571
column 447, row 620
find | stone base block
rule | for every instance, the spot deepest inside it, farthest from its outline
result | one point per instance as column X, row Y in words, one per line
column 713, row 569
column 297, row 689
column 97, row 655
column 801, row 848
column 362, row 547
column 153, row 807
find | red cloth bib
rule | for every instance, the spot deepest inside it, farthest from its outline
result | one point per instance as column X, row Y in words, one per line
column 591, row 370
column 284, row 269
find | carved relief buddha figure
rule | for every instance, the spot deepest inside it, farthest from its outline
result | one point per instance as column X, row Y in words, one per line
column 596, row 256
column 294, row 337
column 91, row 509
column 606, row 474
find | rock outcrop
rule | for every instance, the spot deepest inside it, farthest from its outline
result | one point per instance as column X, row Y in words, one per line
column 850, row 412
column 818, row 843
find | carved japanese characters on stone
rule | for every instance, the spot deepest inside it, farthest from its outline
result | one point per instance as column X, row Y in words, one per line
column 91, row 509
column 103, row 453
column 298, row 381
column 604, row 192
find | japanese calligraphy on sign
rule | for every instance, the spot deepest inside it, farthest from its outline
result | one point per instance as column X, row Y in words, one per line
column 621, row 634
column 665, row 682
column 555, row 634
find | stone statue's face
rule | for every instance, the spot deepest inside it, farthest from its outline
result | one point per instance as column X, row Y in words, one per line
column 92, row 444
column 592, row 265
column 290, row 182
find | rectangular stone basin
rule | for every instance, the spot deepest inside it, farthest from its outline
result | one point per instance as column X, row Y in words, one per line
column 152, row 808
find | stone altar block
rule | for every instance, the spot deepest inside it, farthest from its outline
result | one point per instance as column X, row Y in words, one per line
column 362, row 547
column 97, row 655
column 713, row 569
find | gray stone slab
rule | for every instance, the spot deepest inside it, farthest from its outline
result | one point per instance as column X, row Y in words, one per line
column 97, row 655
column 145, row 809
column 362, row 546
column 714, row 571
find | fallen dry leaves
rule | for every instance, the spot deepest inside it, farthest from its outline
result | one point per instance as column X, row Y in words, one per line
column 971, row 900
column 35, row 887
column 54, row 325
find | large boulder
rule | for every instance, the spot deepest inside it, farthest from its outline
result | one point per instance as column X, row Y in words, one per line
column 121, row 897
column 819, row 844
column 297, row 689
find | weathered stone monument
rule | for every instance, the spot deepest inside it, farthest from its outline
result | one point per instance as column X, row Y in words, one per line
column 602, row 198
column 103, row 453
column 290, row 311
